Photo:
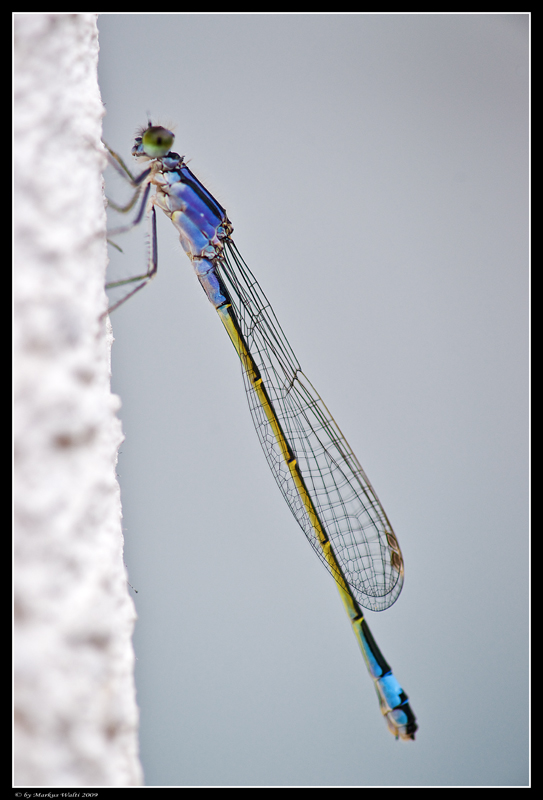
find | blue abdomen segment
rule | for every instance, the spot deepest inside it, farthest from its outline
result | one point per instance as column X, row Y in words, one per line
column 393, row 701
column 211, row 283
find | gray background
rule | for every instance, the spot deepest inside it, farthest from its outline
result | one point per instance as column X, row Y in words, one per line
column 375, row 170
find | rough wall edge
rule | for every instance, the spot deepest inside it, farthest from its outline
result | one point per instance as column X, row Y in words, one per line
column 75, row 712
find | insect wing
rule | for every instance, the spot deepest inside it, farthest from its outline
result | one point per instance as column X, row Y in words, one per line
column 362, row 538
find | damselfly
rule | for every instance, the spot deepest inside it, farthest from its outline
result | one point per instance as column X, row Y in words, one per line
column 315, row 469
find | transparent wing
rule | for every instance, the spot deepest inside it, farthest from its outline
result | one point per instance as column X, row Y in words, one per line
column 349, row 510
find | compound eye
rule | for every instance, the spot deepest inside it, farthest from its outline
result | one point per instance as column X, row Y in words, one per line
column 157, row 141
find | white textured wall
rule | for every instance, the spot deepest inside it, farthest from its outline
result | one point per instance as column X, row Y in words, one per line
column 75, row 712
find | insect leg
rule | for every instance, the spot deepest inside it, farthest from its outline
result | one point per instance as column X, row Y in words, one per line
column 151, row 267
